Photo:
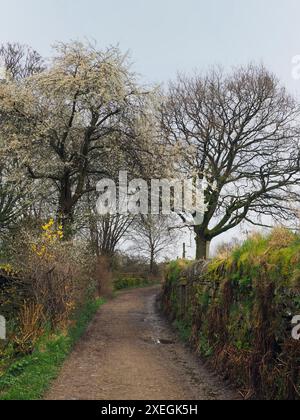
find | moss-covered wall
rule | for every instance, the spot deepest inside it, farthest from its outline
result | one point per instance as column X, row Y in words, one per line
column 239, row 309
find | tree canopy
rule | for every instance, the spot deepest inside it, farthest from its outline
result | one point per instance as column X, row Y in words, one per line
column 240, row 131
column 68, row 122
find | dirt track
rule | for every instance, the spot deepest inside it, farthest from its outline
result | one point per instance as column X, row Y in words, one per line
column 130, row 353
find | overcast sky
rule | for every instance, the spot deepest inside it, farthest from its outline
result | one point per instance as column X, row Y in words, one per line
column 166, row 36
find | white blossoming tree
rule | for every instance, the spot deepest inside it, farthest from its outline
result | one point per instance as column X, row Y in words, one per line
column 69, row 123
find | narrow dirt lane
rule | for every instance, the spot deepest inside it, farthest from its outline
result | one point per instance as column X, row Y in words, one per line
column 130, row 353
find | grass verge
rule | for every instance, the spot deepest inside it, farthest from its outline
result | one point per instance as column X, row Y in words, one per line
column 30, row 377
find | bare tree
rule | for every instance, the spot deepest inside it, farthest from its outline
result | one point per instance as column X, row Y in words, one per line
column 107, row 231
column 152, row 237
column 239, row 132
column 20, row 61
column 104, row 232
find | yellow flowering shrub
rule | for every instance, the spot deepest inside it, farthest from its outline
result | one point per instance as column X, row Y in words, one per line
column 55, row 278
column 7, row 269
column 52, row 234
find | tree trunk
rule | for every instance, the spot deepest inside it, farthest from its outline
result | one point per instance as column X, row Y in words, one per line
column 67, row 221
column 94, row 237
column 66, row 217
column 66, row 208
column 202, row 247
column 152, row 262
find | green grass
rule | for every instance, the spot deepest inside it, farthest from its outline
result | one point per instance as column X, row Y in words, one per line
column 31, row 376
column 183, row 330
column 127, row 283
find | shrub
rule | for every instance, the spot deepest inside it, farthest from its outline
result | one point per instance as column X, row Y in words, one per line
column 54, row 273
column 28, row 378
column 31, row 323
column 123, row 283
column 104, row 276
column 46, row 279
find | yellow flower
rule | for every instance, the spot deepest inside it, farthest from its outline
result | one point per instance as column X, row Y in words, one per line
column 7, row 268
column 60, row 234
column 49, row 225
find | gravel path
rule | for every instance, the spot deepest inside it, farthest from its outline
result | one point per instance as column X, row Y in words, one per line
column 130, row 353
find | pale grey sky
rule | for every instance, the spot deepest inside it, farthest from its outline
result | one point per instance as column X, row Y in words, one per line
column 166, row 36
